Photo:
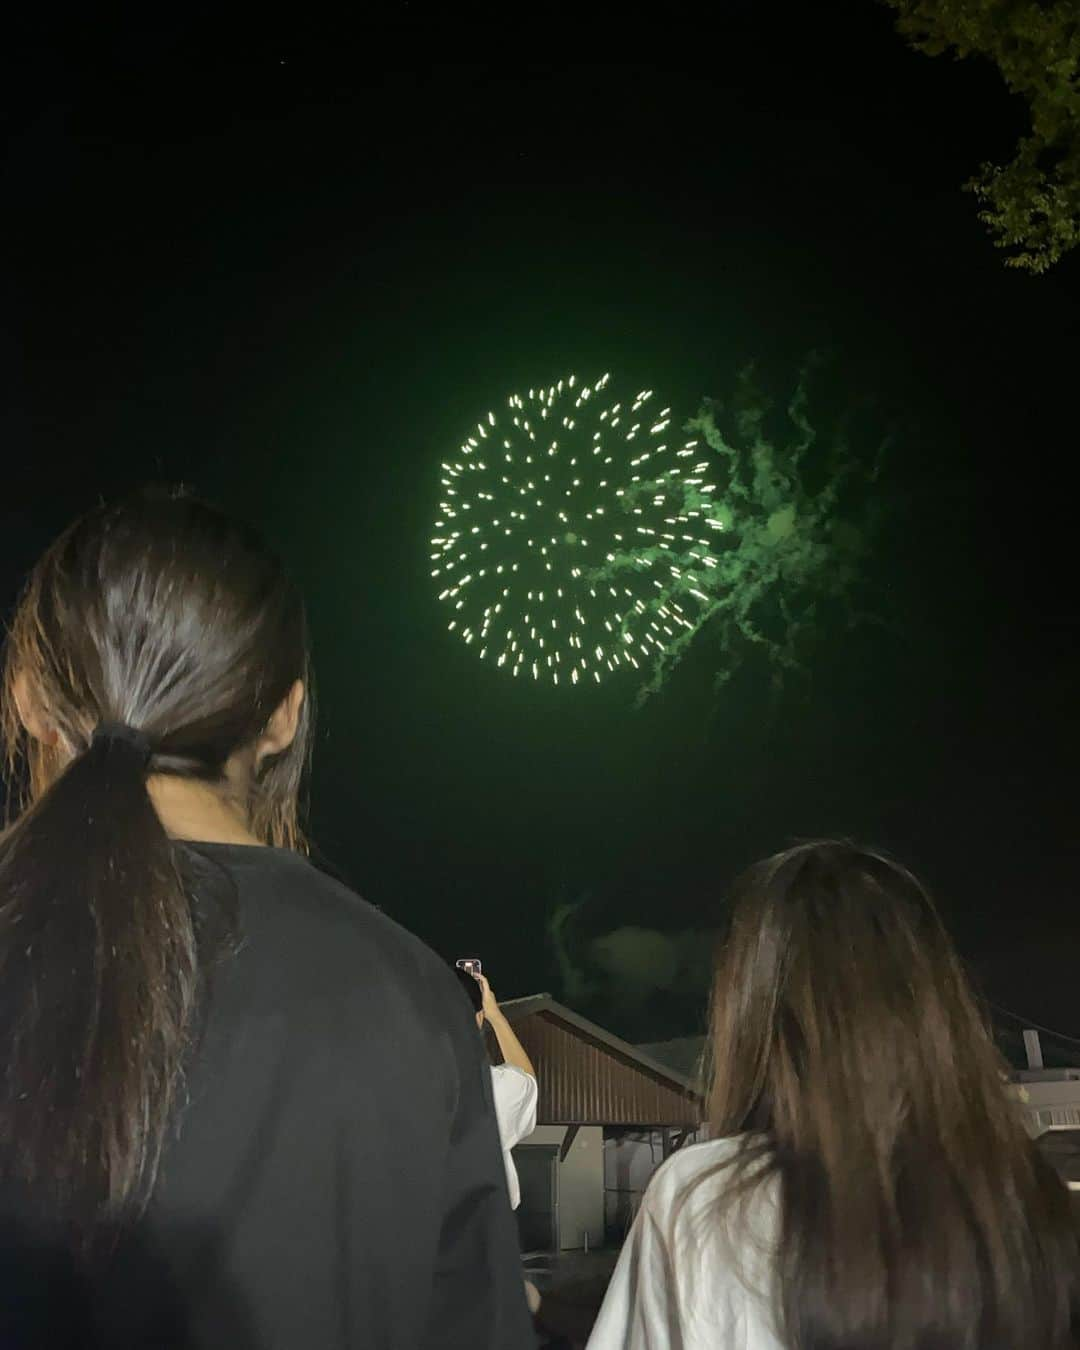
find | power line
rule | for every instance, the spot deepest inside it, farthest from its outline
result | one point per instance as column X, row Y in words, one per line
column 1036, row 1026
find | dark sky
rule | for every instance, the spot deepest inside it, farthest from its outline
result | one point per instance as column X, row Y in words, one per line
column 288, row 269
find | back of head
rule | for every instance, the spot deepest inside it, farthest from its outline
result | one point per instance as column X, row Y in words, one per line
column 164, row 620
column 848, row 1049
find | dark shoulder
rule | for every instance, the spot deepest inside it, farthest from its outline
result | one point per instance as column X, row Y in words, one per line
column 319, row 932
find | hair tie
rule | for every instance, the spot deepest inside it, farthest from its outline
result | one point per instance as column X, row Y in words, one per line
column 119, row 733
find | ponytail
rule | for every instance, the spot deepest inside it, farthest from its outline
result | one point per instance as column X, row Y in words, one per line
column 166, row 615
column 98, row 974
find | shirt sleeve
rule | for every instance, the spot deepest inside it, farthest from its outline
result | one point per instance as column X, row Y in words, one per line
column 515, row 1104
column 478, row 1298
column 640, row 1309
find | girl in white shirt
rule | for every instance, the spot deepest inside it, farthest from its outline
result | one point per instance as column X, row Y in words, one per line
column 513, row 1082
column 869, row 1185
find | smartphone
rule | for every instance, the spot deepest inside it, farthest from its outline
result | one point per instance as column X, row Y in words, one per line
column 471, row 966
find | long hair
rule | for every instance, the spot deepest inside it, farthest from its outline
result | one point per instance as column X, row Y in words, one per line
column 849, row 1053
column 163, row 616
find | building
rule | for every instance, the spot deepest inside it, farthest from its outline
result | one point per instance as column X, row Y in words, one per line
column 609, row 1113
column 597, row 1094
column 1050, row 1101
column 685, row 1055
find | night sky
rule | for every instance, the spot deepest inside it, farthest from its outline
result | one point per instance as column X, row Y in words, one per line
column 290, row 270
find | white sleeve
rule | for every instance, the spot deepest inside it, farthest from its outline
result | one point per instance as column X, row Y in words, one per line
column 515, row 1104
column 640, row 1309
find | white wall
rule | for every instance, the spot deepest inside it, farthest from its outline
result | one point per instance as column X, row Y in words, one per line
column 629, row 1163
column 1049, row 1103
column 628, row 1167
column 581, row 1184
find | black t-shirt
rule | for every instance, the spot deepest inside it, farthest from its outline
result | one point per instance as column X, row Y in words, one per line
column 334, row 1177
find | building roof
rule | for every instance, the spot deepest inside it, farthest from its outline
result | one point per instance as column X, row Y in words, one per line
column 548, row 1009
column 683, row 1054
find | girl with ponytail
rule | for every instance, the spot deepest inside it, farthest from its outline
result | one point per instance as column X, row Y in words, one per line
column 237, row 1105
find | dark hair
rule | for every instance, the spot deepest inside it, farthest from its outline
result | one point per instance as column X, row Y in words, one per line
column 162, row 616
column 848, row 1051
column 471, row 985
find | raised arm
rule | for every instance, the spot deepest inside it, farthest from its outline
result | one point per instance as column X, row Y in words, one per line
column 513, row 1052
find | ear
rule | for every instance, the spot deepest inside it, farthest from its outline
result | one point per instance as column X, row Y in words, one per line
column 280, row 732
column 31, row 713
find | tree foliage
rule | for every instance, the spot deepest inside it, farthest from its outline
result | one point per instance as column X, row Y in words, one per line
column 1032, row 204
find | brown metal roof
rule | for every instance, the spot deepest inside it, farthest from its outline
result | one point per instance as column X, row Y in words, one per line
column 587, row 1076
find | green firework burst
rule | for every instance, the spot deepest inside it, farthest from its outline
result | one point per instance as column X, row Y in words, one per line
column 540, row 501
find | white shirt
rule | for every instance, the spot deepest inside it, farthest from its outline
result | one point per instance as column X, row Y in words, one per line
column 693, row 1280
column 515, row 1110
